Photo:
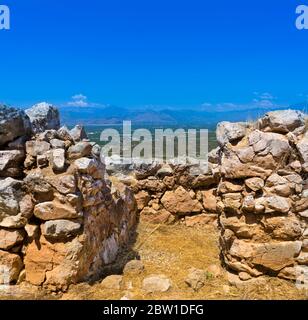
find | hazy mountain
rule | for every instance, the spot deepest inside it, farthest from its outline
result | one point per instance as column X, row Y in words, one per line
column 115, row 115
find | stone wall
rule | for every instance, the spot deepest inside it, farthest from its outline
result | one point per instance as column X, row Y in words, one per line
column 61, row 220
column 256, row 186
column 262, row 196
column 169, row 193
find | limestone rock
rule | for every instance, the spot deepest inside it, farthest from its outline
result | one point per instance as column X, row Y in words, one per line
column 15, row 208
column 11, row 265
column 209, row 200
column 10, row 238
column 11, row 163
column 79, row 150
column 57, row 144
column 196, row 278
column 180, row 202
column 133, row 267
column 274, row 256
column 54, row 210
column 63, row 183
column 156, row 283
column 13, row 124
column 64, row 134
column 78, row 133
column 35, row 148
column 228, row 132
column 114, row 282
column 57, row 159
column 60, row 229
column 43, row 116
column 302, row 147
column 142, row 198
column 282, row 121
column 254, row 184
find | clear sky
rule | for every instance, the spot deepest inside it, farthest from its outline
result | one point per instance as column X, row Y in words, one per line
column 133, row 53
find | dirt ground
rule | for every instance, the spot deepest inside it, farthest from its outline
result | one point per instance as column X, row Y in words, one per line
column 172, row 251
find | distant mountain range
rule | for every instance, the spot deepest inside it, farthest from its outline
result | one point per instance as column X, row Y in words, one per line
column 115, row 115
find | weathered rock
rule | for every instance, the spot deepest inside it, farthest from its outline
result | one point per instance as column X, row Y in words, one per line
column 302, row 147
column 32, row 231
column 228, row 132
column 144, row 169
column 63, row 183
column 11, row 265
column 42, row 161
column 156, row 283
column 54, row 210
column 90, row 166
column 57, row 144
column 282, row 121
column 214, row 156
column 57, row 160
column 35, row 147
column 43, row 116
column 229, row 187
column 180, row 202
column 11, row 163
column 273, row 256
column 78, row 133
column 151, row 184
column 209, row 200
column 133, row 267
column 200, row 220
column 47, row 135
column 10, row 238
column 164, row 171
column 79, row 150
column 114, row 282
column 64, row 134
column 13, row 124
column 254, row 184
column 60, row 229
column 276, row 204
column 38, row 186
column 196, row 278
column 303, row 258
column 142, row 198
column 286, row 228
column 15, row 206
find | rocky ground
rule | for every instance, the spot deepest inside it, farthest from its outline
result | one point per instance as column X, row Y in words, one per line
column 171, row 251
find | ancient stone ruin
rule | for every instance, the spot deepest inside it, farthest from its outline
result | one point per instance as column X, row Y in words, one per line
column 61, row 220
column 255, row 189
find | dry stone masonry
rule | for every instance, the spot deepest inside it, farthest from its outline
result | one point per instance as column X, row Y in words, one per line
column 61, row 220
column 256, row 186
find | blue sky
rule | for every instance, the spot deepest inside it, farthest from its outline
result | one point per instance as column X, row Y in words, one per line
column 137, row 53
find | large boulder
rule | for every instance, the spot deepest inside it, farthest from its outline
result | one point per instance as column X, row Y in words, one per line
column 15, row 205
column 11, row 265
column 282, row 121
column 274, row 256
column 228, row 132
column 78, row 133
column 11, row 163
column 13, row 124
column 181, row 202
column 43, row 116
